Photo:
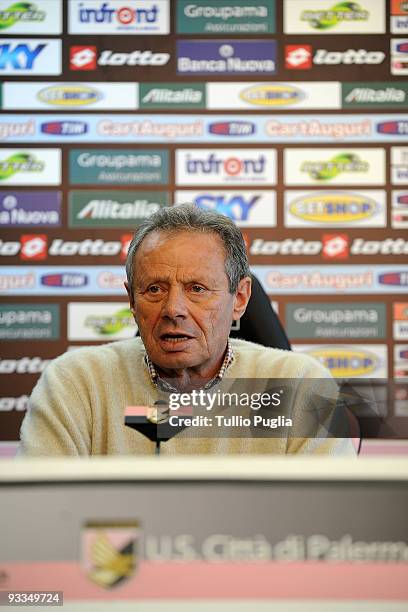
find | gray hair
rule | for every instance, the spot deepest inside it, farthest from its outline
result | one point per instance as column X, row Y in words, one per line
column 188, row 217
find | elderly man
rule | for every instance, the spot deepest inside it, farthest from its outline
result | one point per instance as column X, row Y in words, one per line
column 187, row 280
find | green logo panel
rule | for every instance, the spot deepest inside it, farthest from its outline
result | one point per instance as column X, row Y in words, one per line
column 119, row 166
column 393, row 94
column 124, row 209
column 29, row 322
column 223, row 17
column 336, row 321
column 172, row 95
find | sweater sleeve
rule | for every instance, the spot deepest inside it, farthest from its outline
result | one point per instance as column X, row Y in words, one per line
column 58, row 421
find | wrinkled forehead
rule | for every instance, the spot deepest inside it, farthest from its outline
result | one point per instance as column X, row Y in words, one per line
column 182, row 256
column 180, row 248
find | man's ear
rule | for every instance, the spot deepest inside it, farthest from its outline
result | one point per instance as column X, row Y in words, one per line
column 241, row 299
column 130, row 297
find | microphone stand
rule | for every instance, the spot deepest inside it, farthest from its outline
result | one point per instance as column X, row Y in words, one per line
column 157, row 424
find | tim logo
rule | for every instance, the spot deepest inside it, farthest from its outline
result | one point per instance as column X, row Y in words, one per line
column 400, row 128
column 64, row 128
column 335, row 246
column 68, row 279
column 232, row 128
column 398, row 279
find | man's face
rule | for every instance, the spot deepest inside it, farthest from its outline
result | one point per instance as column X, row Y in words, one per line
column 181, row 300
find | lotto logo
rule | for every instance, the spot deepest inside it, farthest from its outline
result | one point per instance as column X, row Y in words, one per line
column 82, row 58
column 33, row 246
column 335, row 246
column 298, row 57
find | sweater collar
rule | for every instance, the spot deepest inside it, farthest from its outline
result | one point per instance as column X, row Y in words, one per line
column 166, row 386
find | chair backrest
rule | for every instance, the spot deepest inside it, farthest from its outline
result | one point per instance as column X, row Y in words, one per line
column 260, row 322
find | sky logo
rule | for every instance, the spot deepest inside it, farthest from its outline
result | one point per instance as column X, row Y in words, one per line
column 19, row 57
column 30, row 56
column 235, row 207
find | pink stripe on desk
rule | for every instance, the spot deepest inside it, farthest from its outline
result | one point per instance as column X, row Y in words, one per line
column 8, row 449
column 202, row 580
column 381, row 447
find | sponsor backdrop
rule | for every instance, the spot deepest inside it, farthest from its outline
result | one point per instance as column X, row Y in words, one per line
column 289, row 117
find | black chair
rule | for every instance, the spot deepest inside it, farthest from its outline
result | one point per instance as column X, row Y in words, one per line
column 260, row 322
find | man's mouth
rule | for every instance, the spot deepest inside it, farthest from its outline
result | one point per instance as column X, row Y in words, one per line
column 175, row 337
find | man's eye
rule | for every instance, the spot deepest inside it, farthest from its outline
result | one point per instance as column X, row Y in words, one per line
column 197, row 289
column 153, row 289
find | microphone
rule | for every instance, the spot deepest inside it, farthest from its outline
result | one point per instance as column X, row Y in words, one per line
column 153, row 421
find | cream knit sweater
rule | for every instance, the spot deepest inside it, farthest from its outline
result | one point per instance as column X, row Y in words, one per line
column 77, row 406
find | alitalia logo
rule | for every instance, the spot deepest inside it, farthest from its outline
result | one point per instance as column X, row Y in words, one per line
column 169, row 96
column 19, row 162
column 344, row 162
column 20, row 12
column 375, row 96
column 109, row 209
column 340, row 12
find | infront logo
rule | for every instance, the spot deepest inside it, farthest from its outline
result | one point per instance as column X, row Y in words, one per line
column 232, row 166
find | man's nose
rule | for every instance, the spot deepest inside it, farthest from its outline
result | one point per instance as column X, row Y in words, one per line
column 175, row 304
